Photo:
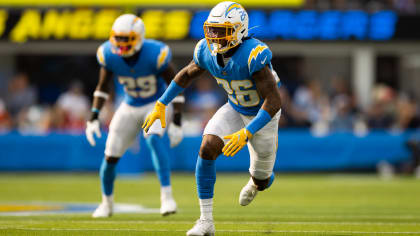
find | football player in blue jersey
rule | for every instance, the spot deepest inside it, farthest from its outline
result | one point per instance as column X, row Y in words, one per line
column 143, row 67
column 242, row 66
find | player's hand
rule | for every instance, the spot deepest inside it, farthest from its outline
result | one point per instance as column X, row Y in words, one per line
column 157, row 113
column 175, row 134
column 237, row 141
column 92, row 127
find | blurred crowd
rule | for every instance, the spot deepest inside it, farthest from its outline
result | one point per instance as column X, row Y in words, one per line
column 401, row 6
column 336, row 109
column 322, row 109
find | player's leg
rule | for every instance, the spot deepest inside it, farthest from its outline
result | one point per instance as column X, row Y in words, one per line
column 159, row 149
column 107, row 174
column 225, row 121
column 122, row 132
column 262, row 149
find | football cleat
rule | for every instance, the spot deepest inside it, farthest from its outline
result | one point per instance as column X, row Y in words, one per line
column 103, row 210
column 248, row 193
column 201, row 228
column 167, row 206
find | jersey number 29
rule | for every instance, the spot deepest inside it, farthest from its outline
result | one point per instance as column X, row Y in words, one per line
column 142, row 87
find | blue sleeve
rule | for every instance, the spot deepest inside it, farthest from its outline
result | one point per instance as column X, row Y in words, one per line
column 260, row 120
column 102, row 56
column 198, row 53
column 163, row 58
column 258, row 58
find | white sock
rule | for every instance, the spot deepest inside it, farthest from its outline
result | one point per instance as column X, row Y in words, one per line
column 166, row 192
column 108, row 199
column 206, row 208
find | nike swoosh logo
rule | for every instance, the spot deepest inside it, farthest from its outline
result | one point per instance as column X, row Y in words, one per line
column 263, row 61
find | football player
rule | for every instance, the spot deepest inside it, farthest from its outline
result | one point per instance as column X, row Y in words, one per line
column 142, row 66
column 242, row 66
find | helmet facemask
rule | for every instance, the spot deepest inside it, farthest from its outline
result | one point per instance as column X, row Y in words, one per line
column 124, row 44
column 221, row 36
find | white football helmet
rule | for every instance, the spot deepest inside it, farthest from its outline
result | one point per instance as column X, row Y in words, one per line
column 127, row 35
column 226, row 26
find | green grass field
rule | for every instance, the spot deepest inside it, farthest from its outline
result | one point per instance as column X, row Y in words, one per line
column 324, row 204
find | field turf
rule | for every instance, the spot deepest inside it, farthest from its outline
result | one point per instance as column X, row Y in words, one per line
column 324, row 204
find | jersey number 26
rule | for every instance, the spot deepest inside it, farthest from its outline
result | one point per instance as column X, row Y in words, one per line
column 246, row 98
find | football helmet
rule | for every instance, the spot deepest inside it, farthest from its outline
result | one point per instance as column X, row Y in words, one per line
column 226, row 26
column 127, row 35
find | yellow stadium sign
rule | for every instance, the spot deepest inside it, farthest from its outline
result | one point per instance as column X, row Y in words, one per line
column 85, row 23
column 163, row 3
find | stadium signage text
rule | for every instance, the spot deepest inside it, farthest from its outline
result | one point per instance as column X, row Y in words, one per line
column 178, row 24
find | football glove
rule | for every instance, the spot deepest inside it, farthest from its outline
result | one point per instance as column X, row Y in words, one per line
column 157, row 113
column 92, row 127
column 175, row 134
column 237, row 141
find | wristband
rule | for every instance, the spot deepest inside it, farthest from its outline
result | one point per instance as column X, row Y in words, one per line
column 100, row 94
column 259, row 121
column 171, row 92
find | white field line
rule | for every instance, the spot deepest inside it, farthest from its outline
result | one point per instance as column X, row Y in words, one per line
column 242, row 231
column 219, row 222
column 278, row 215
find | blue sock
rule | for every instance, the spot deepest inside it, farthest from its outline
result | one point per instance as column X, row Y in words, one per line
column 160, row 158
column 107, row 174
column 270, row 182
column 205, row 174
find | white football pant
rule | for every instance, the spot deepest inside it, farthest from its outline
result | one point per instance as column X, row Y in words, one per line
column 262, row 146
column 126, row 125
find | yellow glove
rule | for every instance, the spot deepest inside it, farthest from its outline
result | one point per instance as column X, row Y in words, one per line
column 157, row 113
column 237, row 141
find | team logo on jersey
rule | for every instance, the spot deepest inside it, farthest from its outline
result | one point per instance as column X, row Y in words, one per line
column 254, row 53
column 162, row 56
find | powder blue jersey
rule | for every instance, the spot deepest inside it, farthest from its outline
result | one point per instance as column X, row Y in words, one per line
column 236, row 77
column 141, row 81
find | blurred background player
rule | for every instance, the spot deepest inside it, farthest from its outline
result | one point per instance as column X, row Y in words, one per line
column 242, row 66
column 142, row 67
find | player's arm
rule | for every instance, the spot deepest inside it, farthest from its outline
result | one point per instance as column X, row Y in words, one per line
column 101, row 93
column 100, row 96
column 175, row 132
column 168, row 74
column 268, row 90
column 182, row 80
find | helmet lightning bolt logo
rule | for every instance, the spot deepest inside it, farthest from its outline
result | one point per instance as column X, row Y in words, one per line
column 231, row 7
column 254, row 53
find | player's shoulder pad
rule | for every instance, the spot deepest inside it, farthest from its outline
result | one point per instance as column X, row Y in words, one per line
column 102, row 53
column 198, row 52
column 259, row 55
column 161, row 53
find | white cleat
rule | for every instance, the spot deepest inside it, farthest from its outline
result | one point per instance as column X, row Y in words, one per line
column 167, row 207
column 248, row 193
column 202, row 227
column 103, row 210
